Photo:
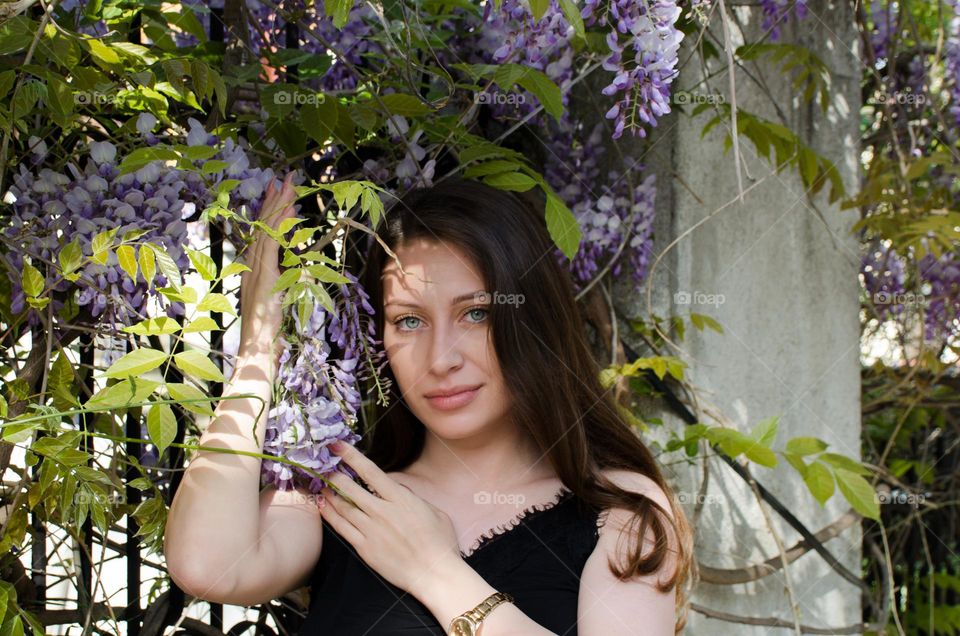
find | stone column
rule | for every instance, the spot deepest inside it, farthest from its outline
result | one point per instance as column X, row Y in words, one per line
column 780, row 273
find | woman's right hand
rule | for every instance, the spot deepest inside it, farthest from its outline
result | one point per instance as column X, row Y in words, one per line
column 260, row 307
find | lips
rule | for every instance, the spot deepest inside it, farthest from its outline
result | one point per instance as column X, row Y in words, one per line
column 453, row 390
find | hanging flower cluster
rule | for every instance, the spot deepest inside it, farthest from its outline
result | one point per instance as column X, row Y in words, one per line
column 644, row 62
column 606, row 212
column 884, row 275
column 321, row 365
column 777, row 12
column 52, row 209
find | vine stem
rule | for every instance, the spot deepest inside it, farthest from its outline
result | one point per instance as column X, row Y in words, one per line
column 727, row 46
column 788, row 584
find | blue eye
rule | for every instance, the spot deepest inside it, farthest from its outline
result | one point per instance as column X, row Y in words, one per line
column 402, row 318
column 485, row 311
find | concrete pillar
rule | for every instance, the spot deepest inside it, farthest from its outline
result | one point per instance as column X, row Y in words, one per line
column 782, row 277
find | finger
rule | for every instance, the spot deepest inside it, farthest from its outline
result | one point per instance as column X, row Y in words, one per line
column 340, row 524
column 355, row 515
column 352, row 491
column 370, row 473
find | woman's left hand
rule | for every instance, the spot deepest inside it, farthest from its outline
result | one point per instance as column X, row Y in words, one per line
column 407, row 540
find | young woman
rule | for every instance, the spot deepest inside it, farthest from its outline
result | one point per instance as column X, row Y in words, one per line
column 503, row 489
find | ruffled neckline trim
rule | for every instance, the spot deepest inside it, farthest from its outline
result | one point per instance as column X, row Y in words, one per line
column 526, row 514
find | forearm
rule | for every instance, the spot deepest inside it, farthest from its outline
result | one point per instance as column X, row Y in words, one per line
column 214, row 517
column 459, row 588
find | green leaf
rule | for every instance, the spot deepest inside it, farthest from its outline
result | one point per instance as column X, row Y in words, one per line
column 766, row 431
column 132, row 391
column 406, row 105
column 204, row 264
column 346, row 193
column 562, row 226
column 538, row 8
column 32, row 280
column 339, row 9
column 730, row 441
column 761, row 455
column 179, row 391
column 198, row 365
column 7, row 593
column 492, row 167
column 702, row 320
column 168, row 267
column 127, row 257
column 161, row 326
column 372, row 205
column 304, row 234
column 511, row 181
column 101, row 244
column 808, row 165
column 216, row 302
column 806, row 446
column 859, row 493
column 319, row 119
column 201, row 323
column 233, row 268
column 327, row 275
column 70, row 257
column 286, row 279
column 136, row 363
column 820, row 482
column 141, row 157
column 572, row 13
column 148, row 264
column 61, row 383
column 161, row 426
column 844, row 462
column 797, row 462
column 213, row 166
column 545, row 90
column 183, row 295
column 16, row 34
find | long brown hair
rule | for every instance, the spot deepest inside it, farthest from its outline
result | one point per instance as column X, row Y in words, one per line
column 544, row 356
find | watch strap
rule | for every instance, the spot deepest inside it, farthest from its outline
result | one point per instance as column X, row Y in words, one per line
column 486, row 606
column 483, row 609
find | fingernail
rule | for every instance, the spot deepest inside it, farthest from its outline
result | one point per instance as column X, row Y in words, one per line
column 336, row 446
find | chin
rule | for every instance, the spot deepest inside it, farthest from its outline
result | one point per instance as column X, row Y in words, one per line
column 453, row 425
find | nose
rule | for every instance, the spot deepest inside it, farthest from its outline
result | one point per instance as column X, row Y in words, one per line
column 445, row 354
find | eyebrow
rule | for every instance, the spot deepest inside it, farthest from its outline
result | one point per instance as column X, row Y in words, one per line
column 453, row 303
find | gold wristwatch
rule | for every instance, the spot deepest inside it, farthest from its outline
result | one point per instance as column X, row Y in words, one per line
column 468, row 623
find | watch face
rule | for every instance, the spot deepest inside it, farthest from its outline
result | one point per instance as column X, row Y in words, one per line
column 462, row 627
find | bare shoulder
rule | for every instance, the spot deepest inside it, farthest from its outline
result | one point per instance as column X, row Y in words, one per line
column 638, row 483
column 637, row 599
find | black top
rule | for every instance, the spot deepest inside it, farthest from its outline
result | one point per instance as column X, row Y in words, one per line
column 537, row 557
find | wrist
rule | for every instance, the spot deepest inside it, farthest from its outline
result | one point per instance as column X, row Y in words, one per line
column 450, row 589
column 433, row 581
column 261, row 360
column 257, row 351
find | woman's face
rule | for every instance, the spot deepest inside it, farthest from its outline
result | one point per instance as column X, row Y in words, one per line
column 437, row 338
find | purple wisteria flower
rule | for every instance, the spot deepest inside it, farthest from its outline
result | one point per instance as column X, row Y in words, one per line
column 512, row 36
column 884, row 18
column 952, row 62
column 644, row 43
column 777, row 12
column 883, row 273
column 51, row 209
column 941, row 286
column 605, row 210
column 321, row 365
